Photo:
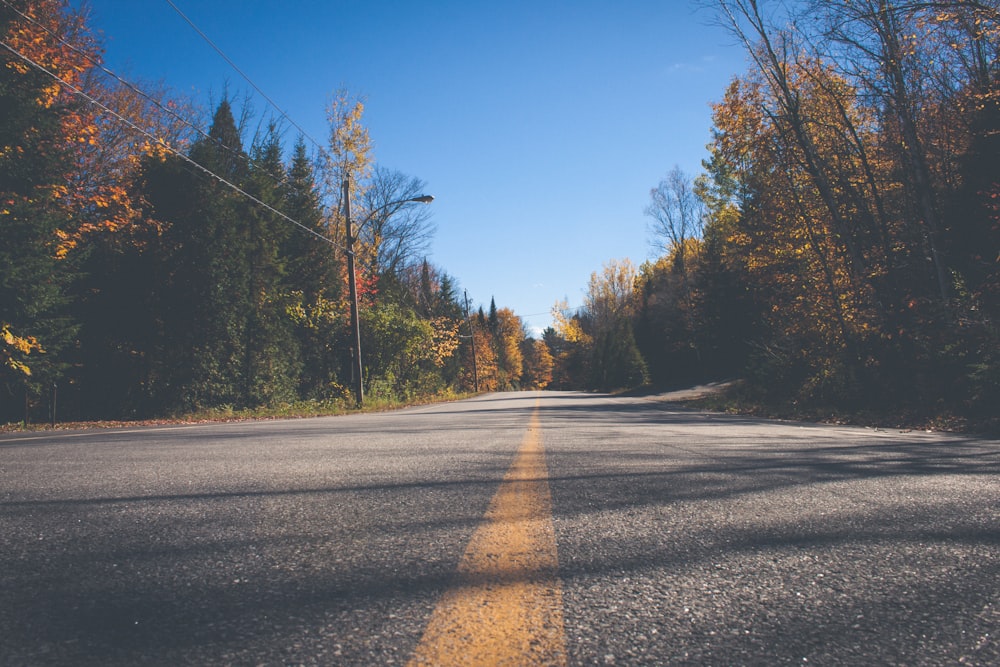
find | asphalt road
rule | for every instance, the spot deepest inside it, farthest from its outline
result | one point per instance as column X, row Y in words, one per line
column 681, row 537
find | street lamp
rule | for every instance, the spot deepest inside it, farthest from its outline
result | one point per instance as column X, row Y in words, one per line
column 359, row 392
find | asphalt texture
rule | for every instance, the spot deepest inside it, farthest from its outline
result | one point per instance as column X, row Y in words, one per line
column 683, row 537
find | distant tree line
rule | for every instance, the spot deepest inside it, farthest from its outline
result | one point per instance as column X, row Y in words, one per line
column 843, row 246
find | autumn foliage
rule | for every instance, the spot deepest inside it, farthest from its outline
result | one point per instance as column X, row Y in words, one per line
column 842, row 249
column 154, row 261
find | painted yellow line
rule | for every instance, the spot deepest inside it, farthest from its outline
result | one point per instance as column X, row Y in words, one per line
column 506, row 605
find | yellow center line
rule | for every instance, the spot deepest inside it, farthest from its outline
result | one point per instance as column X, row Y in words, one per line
column 506, row 605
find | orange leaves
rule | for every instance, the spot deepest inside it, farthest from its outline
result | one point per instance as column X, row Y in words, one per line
column 100, row 208
column 56, row 39
column 486, row 363
column 12, row 346
column 66, row 243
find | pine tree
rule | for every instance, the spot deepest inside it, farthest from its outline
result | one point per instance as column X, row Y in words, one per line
column 271, row 365
column 426, row 297
column 448, row 303
column 493, row 322
column 313, row 265
column 210, row 272
column 313, row 279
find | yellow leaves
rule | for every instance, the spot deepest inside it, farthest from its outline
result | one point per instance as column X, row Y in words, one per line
column 296, row 311
column 317, row 316
column 610, row 293
column 568, row 327
column 58, row 191
column 444, row 340
column 111, row 196
column 88, row 134
column 350, row 145
column 11, row 345
column 158, row 149
column 507, row 339
column 24, row 345
column 50, row 95
column 65, row 245
column 18, row 66
column 574, row 333
column 538, row 365
column 9, row 152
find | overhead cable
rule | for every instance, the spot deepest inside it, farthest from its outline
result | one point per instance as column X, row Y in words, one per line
column 171, row 149
column 142, row 93
column 284, row 114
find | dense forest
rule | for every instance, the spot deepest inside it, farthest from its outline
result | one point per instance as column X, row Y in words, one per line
column 842, row 247
column 840, row 250
column 151, row 267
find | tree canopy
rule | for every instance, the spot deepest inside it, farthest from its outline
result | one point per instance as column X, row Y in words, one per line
column 151, row 267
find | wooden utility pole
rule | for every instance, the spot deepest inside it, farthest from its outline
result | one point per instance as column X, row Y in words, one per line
column 472, row 335
column 352, row 284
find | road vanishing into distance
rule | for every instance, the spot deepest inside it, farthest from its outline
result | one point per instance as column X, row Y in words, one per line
column 524, row 528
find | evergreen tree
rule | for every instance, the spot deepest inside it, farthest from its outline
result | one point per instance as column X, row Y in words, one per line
column 210, row 272
column 426, row 297
column 448, row 303
column 448, row 307
column 617, row 362
column 271, row 367
column 313, row 281
column 726, row 315
column 313, row 266
column 493, row 323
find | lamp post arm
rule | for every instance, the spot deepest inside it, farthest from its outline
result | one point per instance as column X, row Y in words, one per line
column 421, row 199
column 352, row 280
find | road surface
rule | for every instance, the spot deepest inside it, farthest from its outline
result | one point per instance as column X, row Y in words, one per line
column 548, row 528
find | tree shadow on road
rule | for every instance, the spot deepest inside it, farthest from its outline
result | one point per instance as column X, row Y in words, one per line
column 713, row 530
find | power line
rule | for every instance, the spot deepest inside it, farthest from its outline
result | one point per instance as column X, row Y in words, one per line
column 565, row 312
column 284, row 114
column 169, row 148
column 142, row 93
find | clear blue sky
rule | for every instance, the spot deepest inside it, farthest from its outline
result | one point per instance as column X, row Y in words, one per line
column 540, row 126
